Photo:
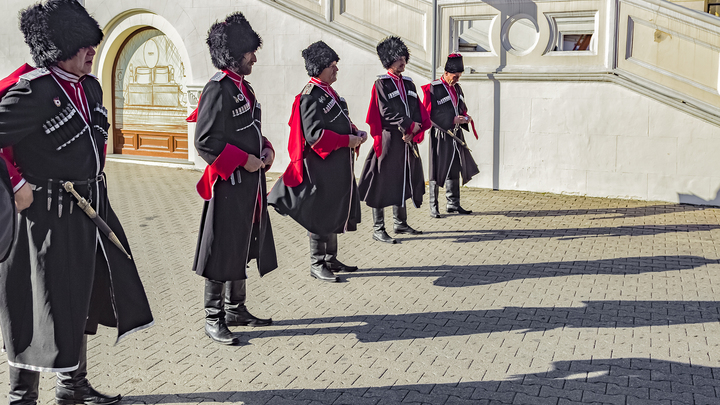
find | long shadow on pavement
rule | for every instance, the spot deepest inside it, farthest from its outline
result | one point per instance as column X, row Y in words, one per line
column 604, row 213
column 563, row 234
column 465, row 276
column 422, row 325
column 598, row 381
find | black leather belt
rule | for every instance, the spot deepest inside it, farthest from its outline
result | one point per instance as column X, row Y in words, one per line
column 58, row 184
column 38, row 181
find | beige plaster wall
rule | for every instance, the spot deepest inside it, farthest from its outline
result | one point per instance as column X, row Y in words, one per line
column 579, row 137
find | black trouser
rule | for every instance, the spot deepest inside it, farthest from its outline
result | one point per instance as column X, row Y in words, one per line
column 323, row 249
column 222, row 297
column 24, row 383
column 399, row 216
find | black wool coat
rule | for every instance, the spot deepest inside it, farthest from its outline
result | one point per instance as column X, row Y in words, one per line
column 232, row 230
column 63, row 276
column 8, row 220
column 327, row 200
column 397, row 174
column 444, row 149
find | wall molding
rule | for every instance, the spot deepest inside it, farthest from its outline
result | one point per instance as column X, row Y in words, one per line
column 698, row 109
column 352, row 36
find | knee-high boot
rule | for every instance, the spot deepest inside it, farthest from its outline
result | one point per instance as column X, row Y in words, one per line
column 452, row 193
column 400, row 219
column 318, row 251
column 236, row 313
column 331, row 252
column 24, row 385
column 78, row 377
column 215, row 326
column 379, row 232
column 73, row 387
column 433, row 197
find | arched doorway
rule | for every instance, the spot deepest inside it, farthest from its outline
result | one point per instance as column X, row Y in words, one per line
column 149, row 97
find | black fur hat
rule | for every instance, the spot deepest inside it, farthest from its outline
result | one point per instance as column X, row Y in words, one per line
column 56, row 30
column 318, row 56
column 454, row 63
column 391, row 49
column 229, row 40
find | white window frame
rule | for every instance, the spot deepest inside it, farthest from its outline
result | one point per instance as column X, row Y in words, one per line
column 455, row 34
column 556, row 36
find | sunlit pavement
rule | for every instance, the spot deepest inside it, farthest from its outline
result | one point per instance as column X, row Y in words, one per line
column 532, row 299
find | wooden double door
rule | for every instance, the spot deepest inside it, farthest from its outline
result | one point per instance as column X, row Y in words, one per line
column 149, row 98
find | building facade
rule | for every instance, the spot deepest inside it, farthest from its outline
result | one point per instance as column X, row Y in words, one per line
column 609, row 98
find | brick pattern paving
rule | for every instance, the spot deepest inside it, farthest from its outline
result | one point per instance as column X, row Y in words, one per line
column 534, row 299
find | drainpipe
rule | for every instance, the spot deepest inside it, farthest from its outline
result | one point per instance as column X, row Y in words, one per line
column 434, row 38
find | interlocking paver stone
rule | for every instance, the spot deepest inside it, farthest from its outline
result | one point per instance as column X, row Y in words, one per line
column 535, row 298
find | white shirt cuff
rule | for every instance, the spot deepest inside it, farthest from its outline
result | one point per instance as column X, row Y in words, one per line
column 19, row 185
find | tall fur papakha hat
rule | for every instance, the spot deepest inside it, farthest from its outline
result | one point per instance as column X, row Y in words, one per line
column 229, row 40
column 57, row 29
column 318, row 56
column 454, row 63
column 391, row 49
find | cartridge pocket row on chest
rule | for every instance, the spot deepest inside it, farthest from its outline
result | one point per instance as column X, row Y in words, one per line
column 65, row 127
column 100, row 120
column 243, row 115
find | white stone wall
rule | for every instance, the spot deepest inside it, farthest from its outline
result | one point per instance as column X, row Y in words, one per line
column 14, row 52
column 585, row 138
column 596, row 139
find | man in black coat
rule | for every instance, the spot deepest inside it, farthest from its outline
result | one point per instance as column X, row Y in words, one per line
column 393, row 170
column 235, row 226
column 445, row 102
column 63, row 276
column 318, row 189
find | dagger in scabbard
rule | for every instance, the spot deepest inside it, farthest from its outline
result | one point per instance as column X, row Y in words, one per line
column 452, row 135
column 90, row 212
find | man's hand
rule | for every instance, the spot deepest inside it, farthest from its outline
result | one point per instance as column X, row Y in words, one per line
column 363, row 135
column 416, row 128
column 253, row 164
column 408, row 137
column 267, row 156
column 461, row 119
column 354, row 141
column 23, row 197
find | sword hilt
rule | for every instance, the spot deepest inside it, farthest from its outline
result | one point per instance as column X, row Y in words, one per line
column 81, row 202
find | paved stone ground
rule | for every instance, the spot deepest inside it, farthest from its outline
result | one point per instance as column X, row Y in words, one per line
column 535, row 299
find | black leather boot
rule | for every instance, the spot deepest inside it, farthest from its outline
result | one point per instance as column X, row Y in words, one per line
column 379, row 233
column 236, row 313
column 23, row 386
column 318, row 251
column 215, row 326
column 452, row 193
column 433, row 197
column 331, row 260
column 401, row 225
column 74, row 388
